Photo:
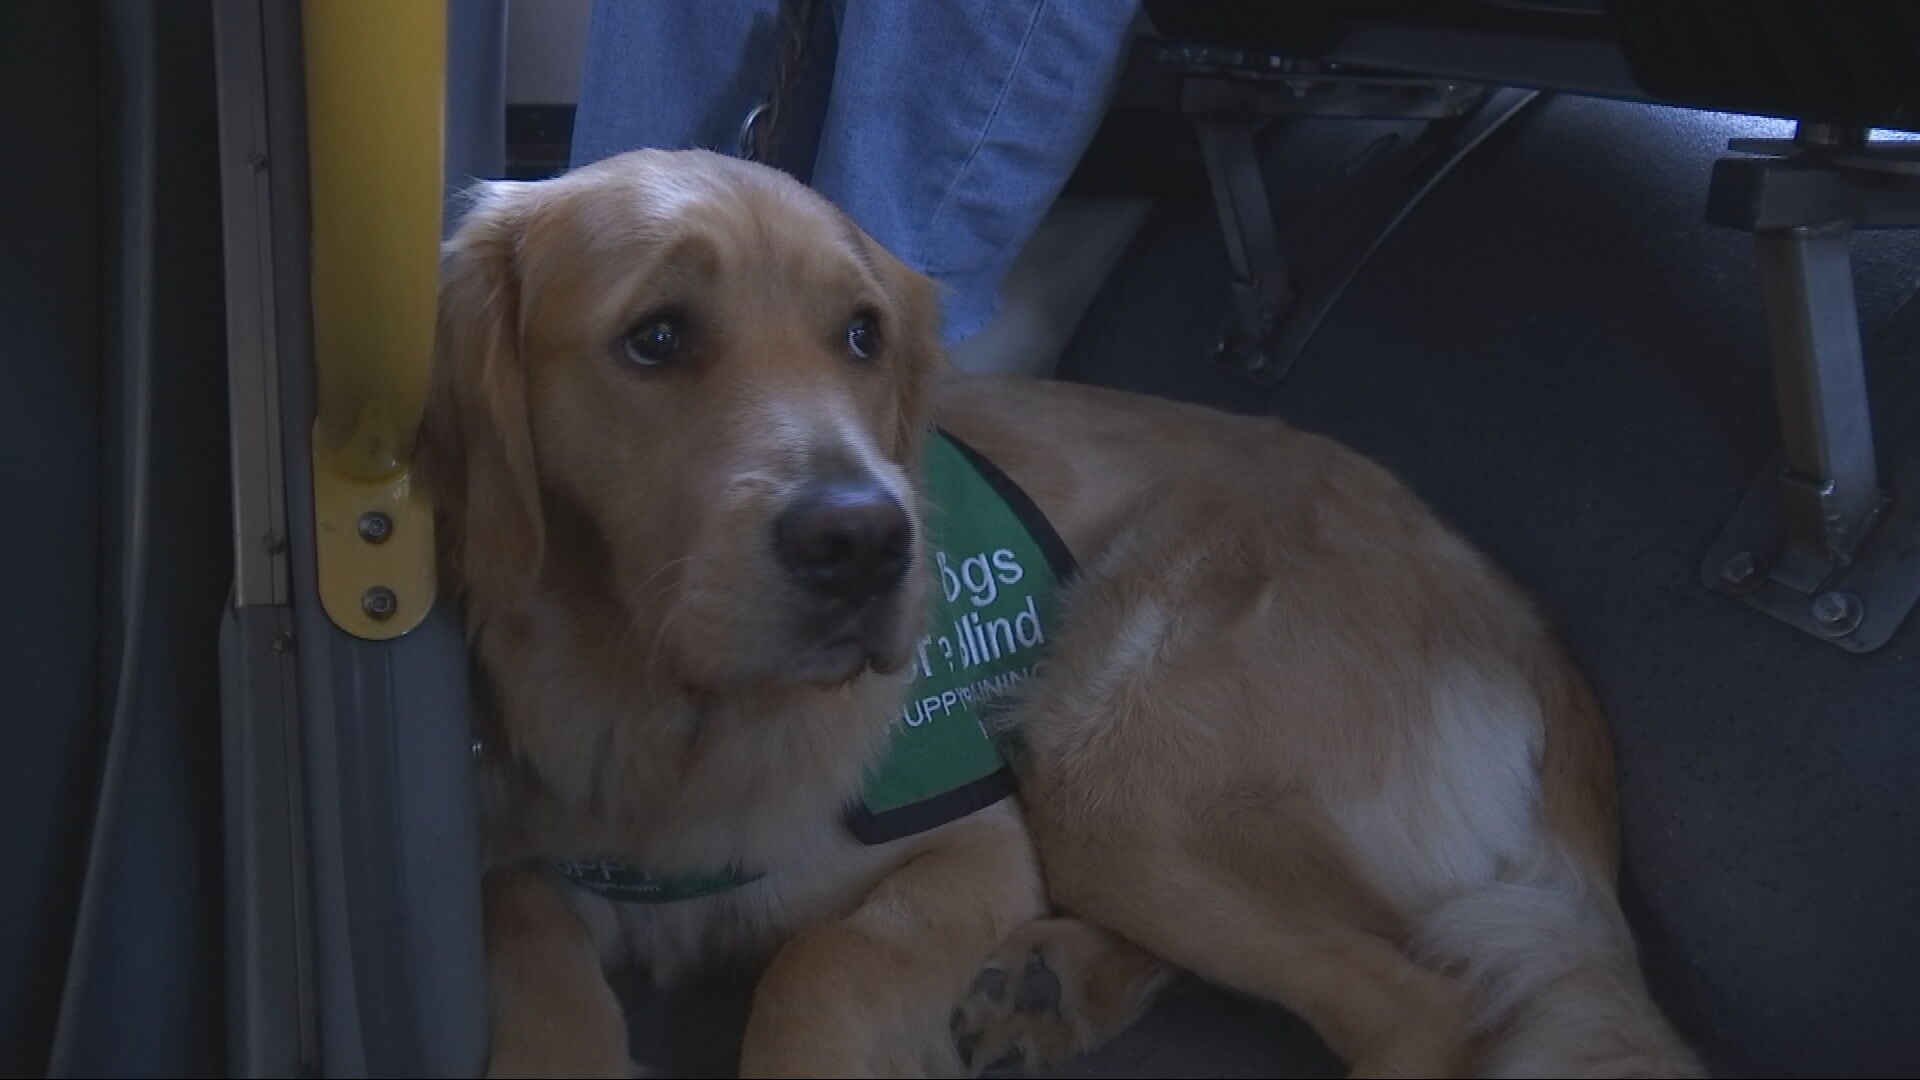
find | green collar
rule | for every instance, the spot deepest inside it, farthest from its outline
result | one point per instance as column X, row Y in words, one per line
column 618, row 881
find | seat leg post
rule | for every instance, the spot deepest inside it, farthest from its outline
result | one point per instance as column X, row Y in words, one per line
column 1827, row 539
column 1261, row 286
column 1829, row 486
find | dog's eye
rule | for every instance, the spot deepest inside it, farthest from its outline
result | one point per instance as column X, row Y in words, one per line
column 863, row 338
column 653, row 341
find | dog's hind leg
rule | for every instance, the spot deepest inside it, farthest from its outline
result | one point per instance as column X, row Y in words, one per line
column 550, row 1008
column 1255, row 898
column 1375, row 1008
column 1056, row 988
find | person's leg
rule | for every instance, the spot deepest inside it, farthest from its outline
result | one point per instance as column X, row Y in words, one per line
column 952, row 126
column 672, row 75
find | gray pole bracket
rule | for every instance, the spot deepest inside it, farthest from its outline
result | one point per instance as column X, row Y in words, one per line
column 1287, row 276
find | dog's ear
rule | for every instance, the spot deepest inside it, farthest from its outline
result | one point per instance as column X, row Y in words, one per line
column 476, row 440
column 921, row 357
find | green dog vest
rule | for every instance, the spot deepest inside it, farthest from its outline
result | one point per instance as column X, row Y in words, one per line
column 998, row 568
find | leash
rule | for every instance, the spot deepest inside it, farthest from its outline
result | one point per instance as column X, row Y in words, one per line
column 783, row 129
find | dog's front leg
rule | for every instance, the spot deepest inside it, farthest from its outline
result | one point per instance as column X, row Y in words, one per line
column 873, row 994
column 550, row 1008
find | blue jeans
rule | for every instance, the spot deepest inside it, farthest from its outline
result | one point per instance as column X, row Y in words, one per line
column 950, row 126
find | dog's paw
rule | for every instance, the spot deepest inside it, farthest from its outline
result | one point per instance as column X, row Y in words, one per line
column 1055, row 989
column 1011, row 1021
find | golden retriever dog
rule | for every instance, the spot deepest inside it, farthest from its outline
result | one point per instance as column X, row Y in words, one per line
column 1291, row 735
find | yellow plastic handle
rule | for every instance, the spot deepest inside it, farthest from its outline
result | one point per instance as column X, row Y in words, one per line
column 376, row 100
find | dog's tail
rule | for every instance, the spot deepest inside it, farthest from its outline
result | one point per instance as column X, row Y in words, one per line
column 1545, row 950
column 1552, row 969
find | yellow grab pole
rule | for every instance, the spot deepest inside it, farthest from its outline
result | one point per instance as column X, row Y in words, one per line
column 376, row 89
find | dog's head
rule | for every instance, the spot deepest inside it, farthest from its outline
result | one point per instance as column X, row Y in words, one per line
column 696, row 386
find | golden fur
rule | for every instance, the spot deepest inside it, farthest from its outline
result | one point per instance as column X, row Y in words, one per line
column 1294, row 736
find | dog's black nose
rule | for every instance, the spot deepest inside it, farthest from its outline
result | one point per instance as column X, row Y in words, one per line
column 848, row 540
